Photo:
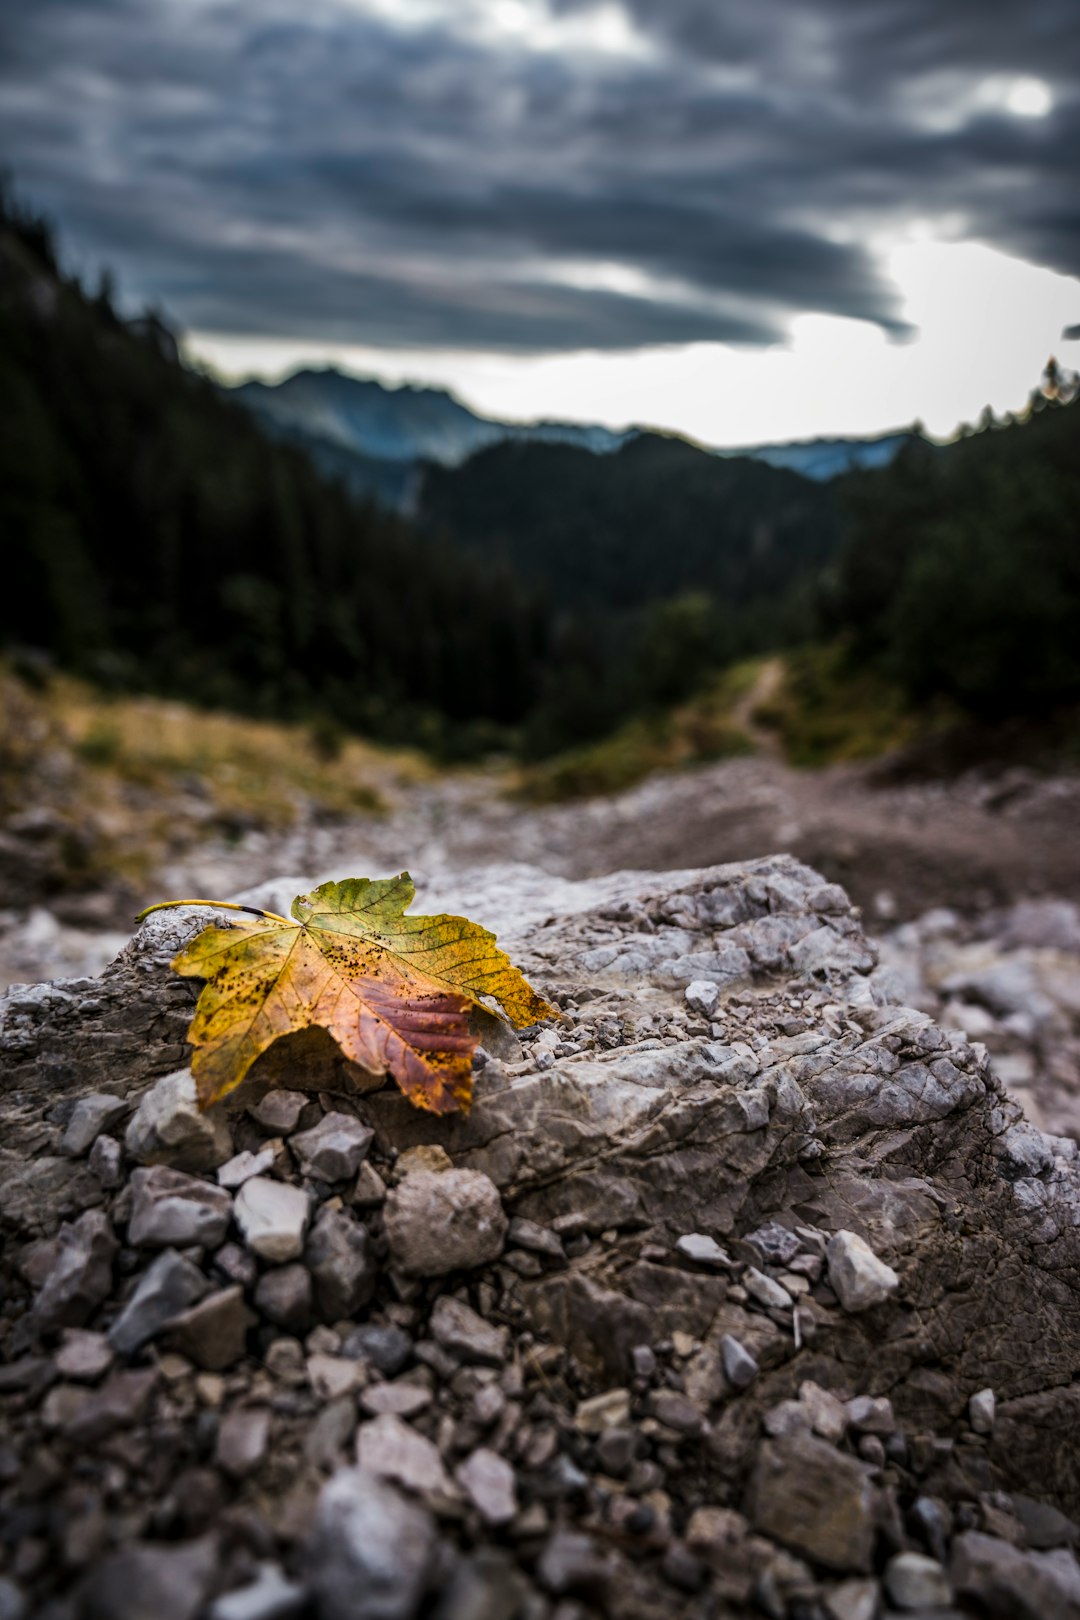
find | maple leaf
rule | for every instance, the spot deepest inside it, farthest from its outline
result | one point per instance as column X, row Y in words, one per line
column 394, row 991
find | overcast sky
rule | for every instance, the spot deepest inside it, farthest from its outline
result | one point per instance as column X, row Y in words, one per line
column 743, row 221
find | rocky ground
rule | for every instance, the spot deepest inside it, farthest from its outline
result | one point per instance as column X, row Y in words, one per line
column 746, row 1288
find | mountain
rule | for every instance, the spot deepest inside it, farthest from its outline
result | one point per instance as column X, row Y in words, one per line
column 822, row 459
column 402, row 424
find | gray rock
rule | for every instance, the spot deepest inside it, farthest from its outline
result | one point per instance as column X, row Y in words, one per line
column 83, row 1356
column 212, row 1333
column 284, row 1295
column 273, row 1216
column 369, row 1551
column 270, row 1596
column 242, row 1166
column 740, row 1368
column 334, row 1149
column 859, row 1279
column 92, row 1115
column 774, row 1243
column 279, row 1111
column 163, row 1581
column 572, row 1563
column 815, row 1501
column 169, row 1127
column 390, row 1449
column 1004, row 1581
column 914, row 1581
column 119, row 1403
column 173, row 1210
column 609, row 1410
column 166, row 1290
column 81, row 1275
column 488, row 1482
column 384, row 1346
column 13, row 1604
column 854, row 1600
column 828, row 1416
column 242, row 1440
column 871, row 1414
column 765, row 1289
column 106, row 1162
column 702, row 996
column 339, row 1256
column 459, row 1329
column 703, row 1250
column 436, row 1224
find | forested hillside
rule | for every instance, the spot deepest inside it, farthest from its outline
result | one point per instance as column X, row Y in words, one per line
column 155, row 537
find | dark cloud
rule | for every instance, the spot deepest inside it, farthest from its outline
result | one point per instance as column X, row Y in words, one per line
column 409, row 176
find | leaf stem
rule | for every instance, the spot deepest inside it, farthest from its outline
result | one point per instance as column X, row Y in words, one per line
column 224, row 905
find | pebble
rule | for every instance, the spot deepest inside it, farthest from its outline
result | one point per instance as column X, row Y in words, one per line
column 106, row 1162
column 164, row 1291
column 390, row 1449
column 243, row 1438
column 488, row 1482
column 340, row 1258
column 173, row 1210
column 244, row 1165
column 273, row 1216
column 462, row 1331
column 438, row 1223
column 83, row 1356
column 334, row 1149
column 854, row 1600
column 169, row 1127
column 80, row 1277
column 774, row 1243
column 270, row 1596
column 279, row 1111
column 740, row 1367
column 914, row 1581
column 381, row 1344
column 165, row 1582
column 765, row 1290
column 828, row 1415
column 981, row 1411
column 370, row 1189
column 871, row 1414
column 284, row 1296
column 610, row 1410
column 858, row 1278
column 702, row 1249
column 702, row 996
column 369, row 1551
column 90, row 1118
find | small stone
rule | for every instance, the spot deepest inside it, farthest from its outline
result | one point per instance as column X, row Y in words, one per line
column 859, row 1279
column 106, row 1162
column 438, row 1223
column 173, row 1210
column 279, row 1111
column 333, row 1376
column 273, row 1216
column 236, row 1264
column 167, row 1582
column 871, row 1414
column 541, row 1240
column 765, row 1290
column 244, row 1165
column 80, row 1277
column 424, row 1156
column 334, row 1149
column 740, row 1368
column 981, row 1411
column 390, row 1449
column 90, row 1117
column 13, row 1605
column 339, row 1256
column 83, row 1356
column 270, row 1596
column 853, row 1600
column 213, row 1333
column 643, row 1360
column 242, row 1440
column 616, row 1450
column 489, row 1484
column 703, row 1250
column 1003, row 1580
column 828, row 1416
column 284, row 1296
column 369, row 1550
column 167, row 1289
column 400, row 1400
column 702, row 996
column 814, row 1500
column 459, row 1329
column 914, row 1581
column 382, row 1345
column 370, row 1189
column 571, row 1563
column 774, row 1243
column 169, row 1127
column 676, row 1411
column 611, row 1410
column 327, row 1437
column 117, row 1404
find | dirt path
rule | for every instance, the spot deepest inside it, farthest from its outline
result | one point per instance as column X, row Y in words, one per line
column 744, row 714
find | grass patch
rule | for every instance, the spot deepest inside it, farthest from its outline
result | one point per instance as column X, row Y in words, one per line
column 824, row 710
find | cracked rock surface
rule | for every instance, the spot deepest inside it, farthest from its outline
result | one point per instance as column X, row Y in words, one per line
column 758, row 1300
